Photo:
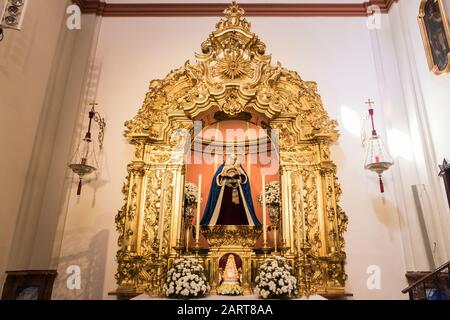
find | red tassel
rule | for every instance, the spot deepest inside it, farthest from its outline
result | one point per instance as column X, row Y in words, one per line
column 381, row 185
column 80, row 184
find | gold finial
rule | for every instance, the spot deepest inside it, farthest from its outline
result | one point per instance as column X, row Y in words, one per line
column 233, row 19
column 234, row 12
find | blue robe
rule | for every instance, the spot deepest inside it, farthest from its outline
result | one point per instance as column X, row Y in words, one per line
column 214, row 197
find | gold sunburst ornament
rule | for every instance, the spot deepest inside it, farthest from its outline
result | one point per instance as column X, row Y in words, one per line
column 234, row 66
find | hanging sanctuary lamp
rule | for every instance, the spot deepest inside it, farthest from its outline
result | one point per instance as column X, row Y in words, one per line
column 377, row 159
column 84, row 161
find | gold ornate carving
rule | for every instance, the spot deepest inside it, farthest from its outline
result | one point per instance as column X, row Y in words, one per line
column 233, row 65
column 226, row 236
column 232, row 74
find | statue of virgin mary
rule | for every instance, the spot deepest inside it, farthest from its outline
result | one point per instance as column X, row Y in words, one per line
column 230, row 198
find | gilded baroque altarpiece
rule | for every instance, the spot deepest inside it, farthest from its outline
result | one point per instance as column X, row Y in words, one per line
column 233, row 74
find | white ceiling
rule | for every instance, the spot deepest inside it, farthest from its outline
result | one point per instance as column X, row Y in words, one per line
column 240, row 1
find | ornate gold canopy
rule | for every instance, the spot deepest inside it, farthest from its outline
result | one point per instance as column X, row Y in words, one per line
column 232, row 75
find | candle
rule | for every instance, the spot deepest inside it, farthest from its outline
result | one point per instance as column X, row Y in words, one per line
column 199, row 202
column 297, row 198
column 264, row 210
column 302, row 210
column 162, row 217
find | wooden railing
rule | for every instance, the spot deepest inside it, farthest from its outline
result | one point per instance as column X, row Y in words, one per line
column 438, row 279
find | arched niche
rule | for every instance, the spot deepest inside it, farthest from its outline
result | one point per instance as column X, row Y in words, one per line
column 239, row 136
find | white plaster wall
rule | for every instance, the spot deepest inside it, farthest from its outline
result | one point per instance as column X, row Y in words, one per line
column 335, row 52
column 26, row 59
column 426, row 98
column 44, row 251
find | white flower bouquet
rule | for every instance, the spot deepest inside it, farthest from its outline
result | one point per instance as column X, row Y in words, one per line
column 229, row 289
column 190, row 194
column 273, row 194
column 186, row 279
column 275, row 280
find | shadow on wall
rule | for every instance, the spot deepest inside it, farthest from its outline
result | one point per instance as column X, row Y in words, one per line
column 95, row 184
column 386, row 213
column 91, row 260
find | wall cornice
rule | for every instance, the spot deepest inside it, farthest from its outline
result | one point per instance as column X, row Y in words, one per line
column 216, row 9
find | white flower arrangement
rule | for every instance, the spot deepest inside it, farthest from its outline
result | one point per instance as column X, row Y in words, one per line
column 275, row 280
column 273, row 194
column 186, row 279
column 229, row 289
column 190, row 194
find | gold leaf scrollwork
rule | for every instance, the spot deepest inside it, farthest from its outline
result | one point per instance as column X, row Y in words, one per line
column 232, row 74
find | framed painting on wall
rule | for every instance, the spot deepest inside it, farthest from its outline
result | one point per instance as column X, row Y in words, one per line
column 435, row 29
column 29, row 285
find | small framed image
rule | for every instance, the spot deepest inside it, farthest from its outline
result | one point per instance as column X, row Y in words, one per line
column 435, row 29
column 28, row 293
column 29, row 285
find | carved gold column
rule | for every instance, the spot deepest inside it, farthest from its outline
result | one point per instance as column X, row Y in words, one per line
column 313, row 224
column 285, row 135
column 129, row 221
column 150, row 221
column 168, row 165
column 178, row 213
column 287, row 208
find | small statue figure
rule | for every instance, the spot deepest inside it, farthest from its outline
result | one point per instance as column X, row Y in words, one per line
column 230, row 278
column 231, row 274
